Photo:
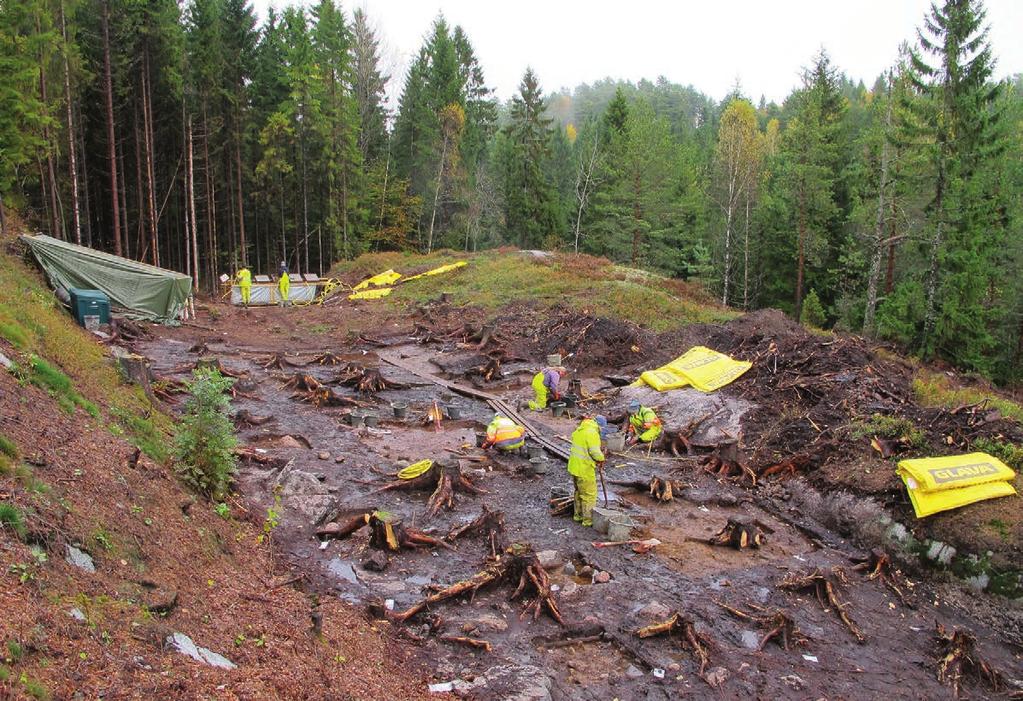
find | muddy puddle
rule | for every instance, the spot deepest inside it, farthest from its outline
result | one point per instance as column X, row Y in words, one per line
column 327, row 469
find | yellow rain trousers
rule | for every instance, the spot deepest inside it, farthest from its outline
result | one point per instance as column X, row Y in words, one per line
column 245, row 284
column 540, row 390
column 582, row 465
column 284, row 287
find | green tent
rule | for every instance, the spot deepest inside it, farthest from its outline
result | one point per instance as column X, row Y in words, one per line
column 141, row 291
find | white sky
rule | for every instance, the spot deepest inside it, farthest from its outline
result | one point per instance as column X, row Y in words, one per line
column 706, row 43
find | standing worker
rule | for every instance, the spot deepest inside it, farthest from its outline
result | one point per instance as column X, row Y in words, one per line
column 546, row 383
column 643, row 423
column 244, row 278
column 584, row 460
column 504, row 434
column 284, row 286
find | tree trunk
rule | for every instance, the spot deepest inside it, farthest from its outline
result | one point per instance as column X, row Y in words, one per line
column 436, row 194
column 241, row 199
column 637, row 215
column 878, row 247
column 147, row 128
column 191, row 235
column 728, row 249
column 76, row 224
column 211, row 199
column 889, row 281
column 108, row 90
column 745, row 257
column 801, row 255
column 54, row 215
column 583, row 179
column 931, row 315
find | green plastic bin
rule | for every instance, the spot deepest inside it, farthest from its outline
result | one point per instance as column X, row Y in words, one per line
column 90, row 307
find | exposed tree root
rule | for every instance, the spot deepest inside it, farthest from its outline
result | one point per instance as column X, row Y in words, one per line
column 780, row 628
column 366, row 380
column 825, row 586
column 789, row 467
column 687, row 634
column 878, row 565
column 303, row 382
column 327, row 358
column 444, row 479
column 958, row 659
column 518, row 563
column 720, row 464
column 386, row 532
column 488, row 523
column 277, row 361
column 659, row 488
column 168, row 390
column 215, row 364
column 462, row 640
column 738, row 533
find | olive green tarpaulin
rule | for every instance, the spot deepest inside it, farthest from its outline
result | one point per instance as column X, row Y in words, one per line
column 140, row 290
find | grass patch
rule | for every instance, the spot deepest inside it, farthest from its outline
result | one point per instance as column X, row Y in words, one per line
column 319, row 329
column 8, row 448
column 146, row 434
column 34, row 688
column 11, row 519
column 890, row 427
column 53, row 380
column 27, row 478
column 935, row 390
column 14, row 334
column 593, row 285
column 1009, row 453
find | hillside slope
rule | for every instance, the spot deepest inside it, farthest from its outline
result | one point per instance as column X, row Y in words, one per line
column 164, row 561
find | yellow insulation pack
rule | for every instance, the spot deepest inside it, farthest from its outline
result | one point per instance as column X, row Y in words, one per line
column 438, row 271
column 372, row 294
column 701, row 367
column 383, row 279
column 940, row 484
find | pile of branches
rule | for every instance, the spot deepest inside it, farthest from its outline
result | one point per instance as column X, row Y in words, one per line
column 825, row 585
column 444, row 479
column 518, row 565
column 593, row 341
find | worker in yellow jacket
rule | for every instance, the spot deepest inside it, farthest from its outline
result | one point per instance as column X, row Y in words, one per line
column 284, row 287
column 244, row 278
column 644, row 426
column 546, row 384
column 584, row 459
column 504, row 434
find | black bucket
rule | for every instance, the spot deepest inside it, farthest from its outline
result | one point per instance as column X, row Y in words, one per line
column 400, row 409
column 481, row 438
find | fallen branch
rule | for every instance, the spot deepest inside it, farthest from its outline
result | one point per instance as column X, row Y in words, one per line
column 462, row 640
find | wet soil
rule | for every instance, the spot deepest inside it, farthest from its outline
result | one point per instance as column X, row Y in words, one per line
column 683, row 573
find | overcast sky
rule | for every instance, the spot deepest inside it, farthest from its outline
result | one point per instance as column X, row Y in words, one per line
column 709, row 44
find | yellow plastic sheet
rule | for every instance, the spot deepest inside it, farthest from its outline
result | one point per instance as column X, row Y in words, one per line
column 701, row 367
column 386, row 278
column 415, row 469
column 941, row 484
column 372, row 294
column 439, row 271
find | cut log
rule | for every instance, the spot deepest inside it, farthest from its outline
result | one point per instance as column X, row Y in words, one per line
column 684, row 629
column 825, row 586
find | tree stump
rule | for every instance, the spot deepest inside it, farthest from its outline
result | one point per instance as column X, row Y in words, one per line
column 444, row 479
column 738, row 533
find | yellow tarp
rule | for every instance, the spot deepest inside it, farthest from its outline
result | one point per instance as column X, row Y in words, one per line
column 701, row 367
column 415, row 469
column 383, row 279
column 940, row 484
column 372, row 294
column 439, row 271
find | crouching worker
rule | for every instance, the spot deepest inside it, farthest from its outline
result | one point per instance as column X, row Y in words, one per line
column 644, row 426
column 584, row 460
column 504, row 434
column 545, row 386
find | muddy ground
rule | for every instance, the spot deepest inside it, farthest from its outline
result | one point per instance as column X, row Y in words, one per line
column 800, row 398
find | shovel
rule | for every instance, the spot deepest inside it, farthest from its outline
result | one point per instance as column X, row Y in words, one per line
column 603, row 485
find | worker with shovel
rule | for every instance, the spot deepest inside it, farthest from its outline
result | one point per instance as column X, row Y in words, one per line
column 504, row 434
column 545, row 383
column 644, row 426
column 244, row 278
column 584, row 460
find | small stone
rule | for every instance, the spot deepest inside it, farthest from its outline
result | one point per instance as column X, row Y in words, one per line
column 491, row 622
column 674, row 667
column 585, row 571
column 320, row 476
column 716, row 677
column 655, row 610
column 727, row 500
column 750, row 640
column 184, row 644
column 939, row 552
column 568, row 569
column 323, row 455
column 160, row 600
column 569, row 588
column 794, row 680
column 978, row 583
column 633, row 672
column 339, row 459
column 6, row 362
column 80, row 559
column 375, row 561
column 549, row 559
column 76, row 614
column 602, row 578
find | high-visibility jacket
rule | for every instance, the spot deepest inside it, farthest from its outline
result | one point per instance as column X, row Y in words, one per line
column 585, row 452
column 644, row 419
column 284, row 286
column 244, row 277
column 505, row 434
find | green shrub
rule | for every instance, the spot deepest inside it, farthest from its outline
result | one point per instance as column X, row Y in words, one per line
column 204, row 440
column 813, row 311
column 890, row 427
column 1009, row 453
column 11, row 518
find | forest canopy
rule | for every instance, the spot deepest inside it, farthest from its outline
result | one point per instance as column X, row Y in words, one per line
column 198, row 138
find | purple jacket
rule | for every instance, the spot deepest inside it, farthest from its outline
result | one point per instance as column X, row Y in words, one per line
column 551, row 378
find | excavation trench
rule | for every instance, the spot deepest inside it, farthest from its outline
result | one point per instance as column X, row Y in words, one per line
column 327, row 471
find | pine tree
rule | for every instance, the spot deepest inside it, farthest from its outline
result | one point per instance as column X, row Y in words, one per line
column 369, row 85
